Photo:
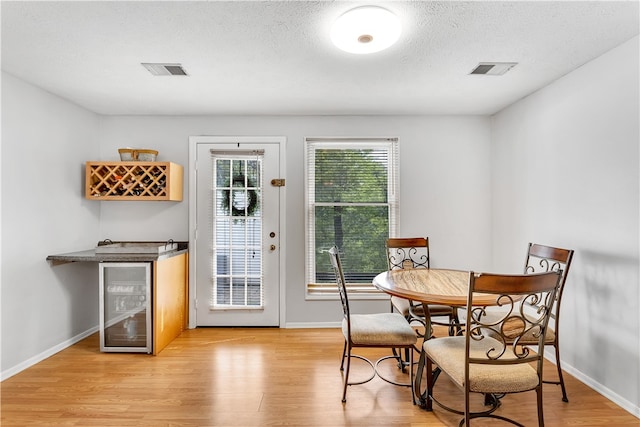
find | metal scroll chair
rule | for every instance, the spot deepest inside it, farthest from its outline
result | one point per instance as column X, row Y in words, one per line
column 413, row 252
column 384, row 330
column 496, row 363
column 542, row 258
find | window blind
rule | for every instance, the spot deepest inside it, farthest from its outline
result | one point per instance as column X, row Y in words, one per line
column 351, row 201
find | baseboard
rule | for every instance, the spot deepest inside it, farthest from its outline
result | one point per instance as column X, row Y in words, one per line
column 312, row 325
column 46, row 354
column 606, row 392
column 634, row 410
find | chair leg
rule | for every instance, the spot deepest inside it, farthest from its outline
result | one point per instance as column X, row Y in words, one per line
column 540, row 411
column 428, row 404
column 397, row 354
column 560, row 377
column 411, row 376
column 346, row 374
column 344, row 352
column 467, row 407
column 455, row 329
column 417, row 382
column 488, row 399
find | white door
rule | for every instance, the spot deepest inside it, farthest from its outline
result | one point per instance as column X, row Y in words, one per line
column 237, row 231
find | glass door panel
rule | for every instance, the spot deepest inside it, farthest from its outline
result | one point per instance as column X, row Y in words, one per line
column 125, row 307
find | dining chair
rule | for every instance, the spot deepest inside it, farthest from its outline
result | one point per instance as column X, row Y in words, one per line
column 497, row 363
column 413, row 252
column 541, row 258
column 384, row 330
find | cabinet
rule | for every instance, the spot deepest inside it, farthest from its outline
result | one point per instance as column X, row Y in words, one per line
column 133, row 181
column 170, row 289
column 143, row 305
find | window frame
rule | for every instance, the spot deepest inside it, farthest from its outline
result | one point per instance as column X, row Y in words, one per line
column 329, row 291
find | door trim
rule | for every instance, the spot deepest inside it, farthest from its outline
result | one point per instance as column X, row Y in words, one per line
column 193, row 145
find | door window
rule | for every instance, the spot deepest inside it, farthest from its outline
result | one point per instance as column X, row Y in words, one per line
column 237, row 238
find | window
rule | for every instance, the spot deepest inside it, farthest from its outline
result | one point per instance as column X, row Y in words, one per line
column 237, row 219
column 351, row 196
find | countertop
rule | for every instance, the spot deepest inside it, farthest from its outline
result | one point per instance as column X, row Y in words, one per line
column 90, row 255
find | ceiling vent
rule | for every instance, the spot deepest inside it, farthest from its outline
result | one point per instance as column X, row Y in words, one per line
column 493, row 68
column 165, row 69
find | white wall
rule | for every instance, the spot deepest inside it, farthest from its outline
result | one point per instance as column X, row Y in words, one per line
column 565, row 173
column 45, row 307
column 444, row 173
column 45, row 141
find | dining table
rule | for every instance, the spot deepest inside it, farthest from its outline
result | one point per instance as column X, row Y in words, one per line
column 429, row 286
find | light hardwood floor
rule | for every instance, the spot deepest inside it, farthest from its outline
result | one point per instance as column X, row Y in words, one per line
column 251, row 377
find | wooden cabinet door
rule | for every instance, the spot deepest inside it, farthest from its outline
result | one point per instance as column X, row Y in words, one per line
column 169, row 300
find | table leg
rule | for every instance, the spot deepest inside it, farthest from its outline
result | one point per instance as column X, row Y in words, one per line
column 421, row 397
column 428, row 333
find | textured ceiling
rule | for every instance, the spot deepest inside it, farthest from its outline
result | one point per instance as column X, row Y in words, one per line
column 276, row 57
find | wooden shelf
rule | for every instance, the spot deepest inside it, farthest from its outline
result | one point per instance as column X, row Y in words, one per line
column 133, row 181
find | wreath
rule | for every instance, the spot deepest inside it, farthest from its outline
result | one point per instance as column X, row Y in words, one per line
column 240, row 205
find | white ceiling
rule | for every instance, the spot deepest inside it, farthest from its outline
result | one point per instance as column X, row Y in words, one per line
column 274, row 57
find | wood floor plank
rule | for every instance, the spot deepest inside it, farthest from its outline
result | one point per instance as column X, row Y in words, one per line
column 252, row 377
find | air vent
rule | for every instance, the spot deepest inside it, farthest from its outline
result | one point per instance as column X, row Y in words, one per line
column 165, row 69
column 493, row 68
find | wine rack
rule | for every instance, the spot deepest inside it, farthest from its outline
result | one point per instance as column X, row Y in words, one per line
column 133, row 181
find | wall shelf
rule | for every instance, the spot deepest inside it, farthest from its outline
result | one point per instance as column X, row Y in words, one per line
column 133, row 181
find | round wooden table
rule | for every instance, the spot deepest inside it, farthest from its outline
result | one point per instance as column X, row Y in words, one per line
column 430, row 286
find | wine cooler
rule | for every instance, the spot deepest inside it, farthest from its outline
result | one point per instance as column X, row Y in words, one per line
column 125, row 307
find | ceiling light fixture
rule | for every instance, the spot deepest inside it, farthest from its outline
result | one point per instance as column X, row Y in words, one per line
column 365, row 29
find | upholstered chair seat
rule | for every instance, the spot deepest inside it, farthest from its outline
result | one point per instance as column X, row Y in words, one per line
column 449, row 354
column 379, row 329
